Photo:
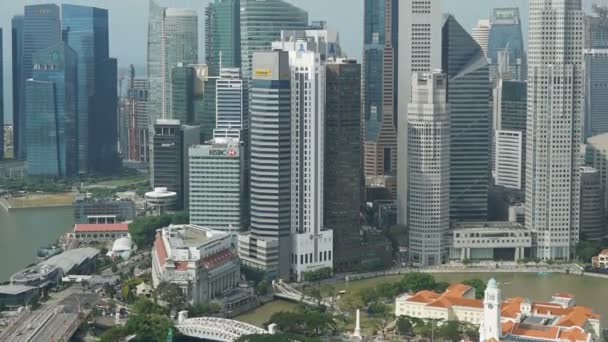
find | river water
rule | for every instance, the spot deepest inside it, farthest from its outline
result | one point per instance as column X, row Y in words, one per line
column 23, row 231
column 587, row 290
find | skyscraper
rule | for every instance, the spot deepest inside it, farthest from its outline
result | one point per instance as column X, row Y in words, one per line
column 593, row 209
column 596, row 92
column 18, row 86
column 231, row 104
column 468, row 94
column 419, row 51
column 137, row 108
column 223, row 35
column 380, row 92
column 268, row 245
column 41, row 30
column 343, row 163
column 481, row 34
column 506, row 44
column 169, row 162
column 86, row 31
column 555, row 110
column 172, row 39
column 51, row 111
column 261, row 24
column 182, row 93
column 217, row 185
column 428, row 169
column 596, row 26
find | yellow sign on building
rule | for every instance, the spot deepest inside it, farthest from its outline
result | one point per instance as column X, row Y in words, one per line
column 262, row 72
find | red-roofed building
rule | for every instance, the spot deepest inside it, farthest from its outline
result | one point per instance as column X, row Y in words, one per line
column 200, row 261
column 100, row 232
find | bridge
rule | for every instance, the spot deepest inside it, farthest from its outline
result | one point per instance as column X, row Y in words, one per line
column 215, row 329
column 284, row 291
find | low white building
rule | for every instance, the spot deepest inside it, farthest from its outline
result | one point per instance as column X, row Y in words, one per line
column 201, row 261
column 160, row 201
column 490, row 241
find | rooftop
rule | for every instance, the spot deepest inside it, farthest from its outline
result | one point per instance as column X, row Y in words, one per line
column 488, row 225
column 599, row 140
column 104, row 227
column 15, row 289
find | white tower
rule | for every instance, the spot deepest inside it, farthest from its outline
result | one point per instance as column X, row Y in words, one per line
column 491, row 327
column 554, row 121
column 357, row 333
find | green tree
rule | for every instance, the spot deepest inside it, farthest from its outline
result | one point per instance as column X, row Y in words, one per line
column 144, row 306
column 172, row 295
column 377, row 309
column 418, row 281
column 405, row 326
column 585, row 250
column 205, row 309
column 114, row 334
column 149, row 327
column 479, row 286
column 449, row 331
column 109, row 290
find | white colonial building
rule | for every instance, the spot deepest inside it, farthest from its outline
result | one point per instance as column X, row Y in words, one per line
column 201, row 261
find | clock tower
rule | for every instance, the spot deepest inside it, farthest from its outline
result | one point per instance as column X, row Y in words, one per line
column 491, row 326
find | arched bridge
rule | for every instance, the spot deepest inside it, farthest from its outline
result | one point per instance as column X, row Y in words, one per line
column 216, row 329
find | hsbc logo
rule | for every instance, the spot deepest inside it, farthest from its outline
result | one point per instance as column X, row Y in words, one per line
column 230, row 152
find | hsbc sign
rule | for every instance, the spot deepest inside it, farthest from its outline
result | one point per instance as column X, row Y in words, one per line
column 228, row 153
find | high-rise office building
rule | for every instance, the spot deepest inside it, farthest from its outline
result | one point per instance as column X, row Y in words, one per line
column 182, row 93
column 419, row 51
column 217, row 185
column 596, row 92
column 593, row 208
column 555, row 111
column 508, row 168
column 342, row 177
column 223, row 35
column 231, row 104
column 428, row 169
column 85, row 30
column 481, row 34
column 172, row 39
column 307, row 63
column 18, row 85
column 204, row 100
column 268, row 245
column 380, row 92
column 509, row 114
column 137, row 108
column 261, row 24
column 597, row 148
column 506, row 44
column 41, row 30
column 169, row 162
column 51, row 111
column 596, row 26
column 469, row 99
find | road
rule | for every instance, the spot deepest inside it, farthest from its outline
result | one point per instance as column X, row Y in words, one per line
column 53, row 320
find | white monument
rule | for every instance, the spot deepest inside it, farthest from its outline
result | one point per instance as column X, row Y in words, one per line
column 357, row 333
column 491, row 327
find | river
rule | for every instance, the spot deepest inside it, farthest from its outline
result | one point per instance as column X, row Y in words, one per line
column 23, row 231
column 587, row 290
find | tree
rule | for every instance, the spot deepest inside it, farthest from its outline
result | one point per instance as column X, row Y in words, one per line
column 306, row 321
column 479, row 286
column 405, row 326
column 114, row 269
column 585, row 250
column 418, row 281
column 280, row 337
column 378, row 309
column 450, row 331
column 314, row 293
column 144, row 306
column 205, row 309
column 171, row 294
column 149, row 327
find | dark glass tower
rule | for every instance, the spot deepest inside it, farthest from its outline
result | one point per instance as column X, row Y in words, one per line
column 41, row 30
column 223, row 35
column 51, row 112
column 373, row 52
column 17, row 53
column 182, row 94
column 342, row 179
column 468, row 97
column 86, row 31
column 1, row 101
column 506, row 44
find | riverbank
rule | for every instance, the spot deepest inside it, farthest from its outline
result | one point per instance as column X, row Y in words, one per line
column 537, row 286
column 30, row 201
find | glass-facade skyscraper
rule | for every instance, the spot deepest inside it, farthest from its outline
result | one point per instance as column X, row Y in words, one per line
column 261, row 24
column 223, row 35
column 506, row 43
column 468, row 94
column 86, row 31
column 41, row 30
column 182, row 93
column 18, row 80
column 51, row 113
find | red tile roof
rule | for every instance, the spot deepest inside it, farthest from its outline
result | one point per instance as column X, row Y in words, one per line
column 159, row 248
column 574, row 334
column 217, row 259
column 105, row 228
column 564, row 295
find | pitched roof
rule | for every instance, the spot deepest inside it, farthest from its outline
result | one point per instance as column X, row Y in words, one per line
column 106, row 227
column 159, row 248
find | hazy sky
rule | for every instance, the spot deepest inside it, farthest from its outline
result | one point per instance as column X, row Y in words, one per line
column 128, row 24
